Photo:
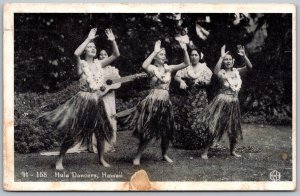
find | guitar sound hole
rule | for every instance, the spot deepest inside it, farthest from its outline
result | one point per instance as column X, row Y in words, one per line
column 102, row 88
column 109, row 82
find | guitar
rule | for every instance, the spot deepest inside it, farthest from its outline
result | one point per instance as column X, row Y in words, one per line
column 114, row 81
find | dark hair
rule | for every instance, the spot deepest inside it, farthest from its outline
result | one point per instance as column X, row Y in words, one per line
column 201, row 59
column 103, row 49
column 92, row 41
column 231, row 54
column 195, row 49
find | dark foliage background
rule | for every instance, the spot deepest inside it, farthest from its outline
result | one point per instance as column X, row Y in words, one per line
column 46, row 73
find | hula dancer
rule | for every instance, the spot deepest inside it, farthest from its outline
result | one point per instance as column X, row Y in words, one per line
column 84, row 114
column 153, row 116
column 223, row 113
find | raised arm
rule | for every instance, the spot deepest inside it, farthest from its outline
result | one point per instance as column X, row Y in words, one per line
column 92, row 35
column 186, row 59
column 147, row 62
column 219, row 63
column 247, row 61
column 116, row 52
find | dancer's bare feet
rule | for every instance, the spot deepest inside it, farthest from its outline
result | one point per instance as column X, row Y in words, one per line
column 59, row 165
column 204, row 156
column 166, row 158
column 104, row 163
column 233, row 153
column 112, row 149
column 136, row 161
column 205, row 152
column 214, row 145
column 109, row 149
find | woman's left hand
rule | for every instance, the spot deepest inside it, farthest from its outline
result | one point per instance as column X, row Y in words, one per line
column 110, row 35
column 241, row 50
column 183, row 85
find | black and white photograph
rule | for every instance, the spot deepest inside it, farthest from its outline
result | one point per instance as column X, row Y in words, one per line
column 159, row 97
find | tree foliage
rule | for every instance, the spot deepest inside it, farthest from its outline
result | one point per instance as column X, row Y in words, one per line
column 44, row 46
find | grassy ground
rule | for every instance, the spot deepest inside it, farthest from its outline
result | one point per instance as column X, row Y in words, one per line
column 265, row 148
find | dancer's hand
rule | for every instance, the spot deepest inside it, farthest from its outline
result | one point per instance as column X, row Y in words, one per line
column 241, row 50
column 110, row 35
column 223, row 53
column 157, row 48
column 183, row 85
column 92, row 34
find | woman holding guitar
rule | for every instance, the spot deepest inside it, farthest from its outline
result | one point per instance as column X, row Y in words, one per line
column 109, row 100
column 84, row 114
column 153, row 116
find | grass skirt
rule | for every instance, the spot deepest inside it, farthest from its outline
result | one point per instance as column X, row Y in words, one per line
column 223, row 116
column 153, row 117
column 81, row 116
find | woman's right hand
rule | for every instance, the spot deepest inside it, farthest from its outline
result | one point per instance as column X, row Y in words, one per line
column 183, row 85
column 157, row 46
column 92, row 35
column 223, row 51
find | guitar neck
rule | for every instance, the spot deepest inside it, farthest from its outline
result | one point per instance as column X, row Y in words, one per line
column 127, row 78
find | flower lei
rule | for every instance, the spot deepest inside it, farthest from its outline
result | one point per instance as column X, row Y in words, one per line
column 110, row 70
column 166, row 76
column 95, row 79
column 234, row 82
